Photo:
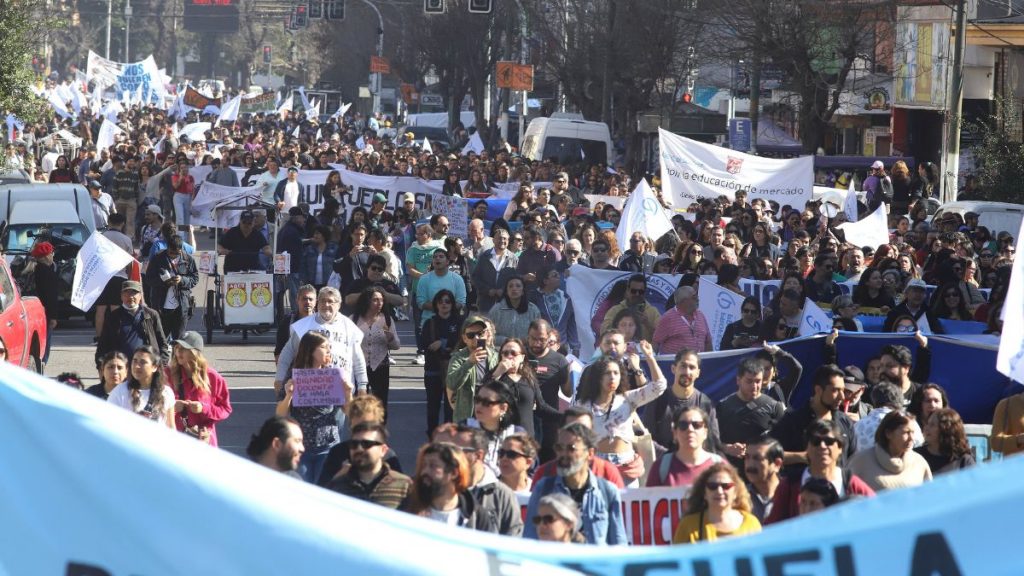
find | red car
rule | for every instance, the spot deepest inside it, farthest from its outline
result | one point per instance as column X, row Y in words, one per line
column 22, row 324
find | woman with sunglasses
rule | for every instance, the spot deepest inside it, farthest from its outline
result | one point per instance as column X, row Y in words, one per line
column 682, row 467
column 493, row 412
column 718, row 506
column 558, row 519
column 948, row 303
column 516, row 458
column 745, row 332
column 518, row 378
column 690, row 259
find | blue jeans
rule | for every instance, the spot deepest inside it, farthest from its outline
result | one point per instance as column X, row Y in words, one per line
column 310, row 465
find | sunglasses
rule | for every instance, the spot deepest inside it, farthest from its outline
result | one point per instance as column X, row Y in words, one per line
column 716, row 486
column 687, row 424
column 827, row 440
column 488, row 402
column 364, row 444
column 475, row 334
column 510, row 454
column 573, row 252
column 546, row 519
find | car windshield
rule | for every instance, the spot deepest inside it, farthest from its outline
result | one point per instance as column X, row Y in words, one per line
column 571, row 150
column 21, row 237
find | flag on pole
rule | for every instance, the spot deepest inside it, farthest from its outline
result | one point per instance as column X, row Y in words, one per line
column 229, row 112
column 341, row 110
column 97, row 262
column 814, row 320
column 58, row 104
column 295, row 133
column 872, row 231
column 1010, row 358
column 850, row 203
column 642, row 213
column 475, row 144
column 319, row 135
column 426, row 146
column 105, row 138
column 284, row 108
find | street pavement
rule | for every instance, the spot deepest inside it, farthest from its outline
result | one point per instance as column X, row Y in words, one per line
column 248, row 367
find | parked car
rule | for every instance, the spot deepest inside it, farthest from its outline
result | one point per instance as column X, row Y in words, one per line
column 22, row 324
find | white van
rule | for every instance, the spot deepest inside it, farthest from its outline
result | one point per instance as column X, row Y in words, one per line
column 568, row 139
column 996, row 216
column 28, row 210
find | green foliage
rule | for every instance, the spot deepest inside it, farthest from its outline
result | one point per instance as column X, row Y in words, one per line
column 999, row 153
column 19, row 39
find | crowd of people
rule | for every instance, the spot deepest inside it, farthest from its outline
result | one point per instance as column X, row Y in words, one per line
column 496, row 334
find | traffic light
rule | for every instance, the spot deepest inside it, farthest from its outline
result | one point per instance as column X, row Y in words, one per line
column 316, row 9
column 433, row 6
column 300, row 19
column 687, row 98
column 334, row 9
column 268, row 54
column 480, row 6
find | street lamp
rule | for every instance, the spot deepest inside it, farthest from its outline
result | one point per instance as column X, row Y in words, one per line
column 378, row 77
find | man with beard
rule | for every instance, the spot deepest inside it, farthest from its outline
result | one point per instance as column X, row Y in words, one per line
column 826, row 398
column 552, row 372
column 761, row 465
column 897, row 366
column 442, row 492
column 278, row 445
column 598, row 500
column 369, row 477
column 495, row 499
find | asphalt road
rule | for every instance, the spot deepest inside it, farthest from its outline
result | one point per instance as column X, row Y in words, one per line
column 248, row 366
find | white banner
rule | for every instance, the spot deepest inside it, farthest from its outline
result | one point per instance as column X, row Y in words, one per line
column 142, row 76
column 1010, row 360
column 872, row 231
column 642, row 213
column 721, row 307
column 211, row 195
column 617, row 201
column 292, row 527
column 814, row 319
column 691, row 170
column 96, row 263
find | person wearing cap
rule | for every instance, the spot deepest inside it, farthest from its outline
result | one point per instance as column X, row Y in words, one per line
column 111, row 295
column 474, row 358
column 170, row 277
column 47, row 284
column 222, row 174
column 202, row 397
column 154, row 220
column 132, row 325
column 242, row 245
column 102, row 204
column 409, row 205
column 286, row 195
column 915, row 305
column 378, row 218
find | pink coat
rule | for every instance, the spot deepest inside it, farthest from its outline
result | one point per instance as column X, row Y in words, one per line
column 216, row 404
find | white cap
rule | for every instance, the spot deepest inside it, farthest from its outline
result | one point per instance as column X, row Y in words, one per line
column 877, row 165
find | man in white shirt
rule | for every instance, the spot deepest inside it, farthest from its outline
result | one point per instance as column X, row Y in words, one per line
column 286, row 195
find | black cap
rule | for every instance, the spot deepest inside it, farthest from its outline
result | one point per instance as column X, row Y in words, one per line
column 295, row 211
column 247, row 215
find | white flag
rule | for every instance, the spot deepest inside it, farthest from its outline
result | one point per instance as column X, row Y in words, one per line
column 196, row 131
column 426, row 146
column 360, row 143
column 12, row 123
column 720, row 306
column 97, row 262
column 872, row 231
column 285, row 107
column 229, row 112
column 105, row 138
column 58, row 104
column 642, row 213
column 341, row 110
column 814, row 320
column 319, row 135
column 475, row 144
column 313, row 113
column 1010, row 359
column 850, row 203
column 295, row 133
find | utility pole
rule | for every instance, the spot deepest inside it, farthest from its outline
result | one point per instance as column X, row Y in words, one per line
column 954, row 109
column 110, row 15
column 127, row 27
column 378, row 77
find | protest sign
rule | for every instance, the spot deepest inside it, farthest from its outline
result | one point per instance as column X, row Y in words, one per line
column 317, row 387
column 720, row 306
column 207, row 261
column 262, row 103
column 212, row 195
column 691, row 170
column 282, row 263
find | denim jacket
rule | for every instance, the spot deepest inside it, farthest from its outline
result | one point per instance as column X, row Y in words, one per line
column 601, row 513
column 309, row 257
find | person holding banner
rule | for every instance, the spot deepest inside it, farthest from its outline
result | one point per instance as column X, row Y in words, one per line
column 601, row 390
column 718, row 506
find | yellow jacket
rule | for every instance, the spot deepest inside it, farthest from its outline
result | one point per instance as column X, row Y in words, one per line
column 689, row 529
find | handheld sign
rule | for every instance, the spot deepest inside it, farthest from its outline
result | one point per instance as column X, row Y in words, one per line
column 317, row 387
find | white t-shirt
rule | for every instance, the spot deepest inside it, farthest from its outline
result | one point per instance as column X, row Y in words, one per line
column 450, row 517
column 122, row 396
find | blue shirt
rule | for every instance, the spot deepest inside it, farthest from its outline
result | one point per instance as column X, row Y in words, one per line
column 601, row 512
column 430, row 284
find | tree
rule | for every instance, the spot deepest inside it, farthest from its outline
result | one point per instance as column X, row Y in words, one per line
column 999, row 154
column 20, row 40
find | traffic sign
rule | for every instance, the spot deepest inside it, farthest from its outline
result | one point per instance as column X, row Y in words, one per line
column 515, row 76
column 379, row 65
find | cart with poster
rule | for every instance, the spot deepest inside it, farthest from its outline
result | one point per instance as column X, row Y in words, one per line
column 240, row 301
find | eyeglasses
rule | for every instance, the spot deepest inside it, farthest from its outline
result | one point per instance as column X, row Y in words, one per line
column 510, row 353
column 510, row 454
column 488, row 402
column 572, row 252
column 905, row 329
column 986, row 255
column 687, row 424
column 716, row 486
column 698, row 252
column 544, row 519
column 475, row 334
column 517, row 238
column 364, row 444
column 829, row 441
column 635, row 240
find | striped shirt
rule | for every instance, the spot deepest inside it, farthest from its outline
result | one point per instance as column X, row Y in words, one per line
column 675, row 333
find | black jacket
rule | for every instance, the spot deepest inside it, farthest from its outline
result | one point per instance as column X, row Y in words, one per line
column 158, row 290
column 48, row 289
column 152, row 333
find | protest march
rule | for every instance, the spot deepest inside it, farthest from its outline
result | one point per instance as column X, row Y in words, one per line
column 451, row 351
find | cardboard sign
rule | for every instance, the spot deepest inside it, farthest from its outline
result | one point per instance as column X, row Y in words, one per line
column 317, row 387
column 282, row 263
column 207, row 261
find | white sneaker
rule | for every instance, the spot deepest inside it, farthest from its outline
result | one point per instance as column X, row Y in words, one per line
column 392, row 361
column 419, row 360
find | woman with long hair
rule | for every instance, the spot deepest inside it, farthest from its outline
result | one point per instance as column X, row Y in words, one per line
column 144, row 392
column 945, row 443
column 586, row 233
column 691, row 259
column 113, row 368
column 493, row 406
column 202, row 394
column 518, row 377
column 745, row 332
column 523, row 200
column 476, row 186
column 892, row 462
column 441, row 335
column 948, row 303
column 514, row 312
column 718, row 506
column 62, row 173
column 760, row 245
column 333, row 186
column 900, row 175
column 871, row 292
column 602, row 390
column 613, row 245
column 452, row 186
column 380, row 337
column 319, row 424
column 516, row 457
column 318, row 258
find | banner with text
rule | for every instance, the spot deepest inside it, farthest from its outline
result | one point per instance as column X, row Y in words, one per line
column 691, row 170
